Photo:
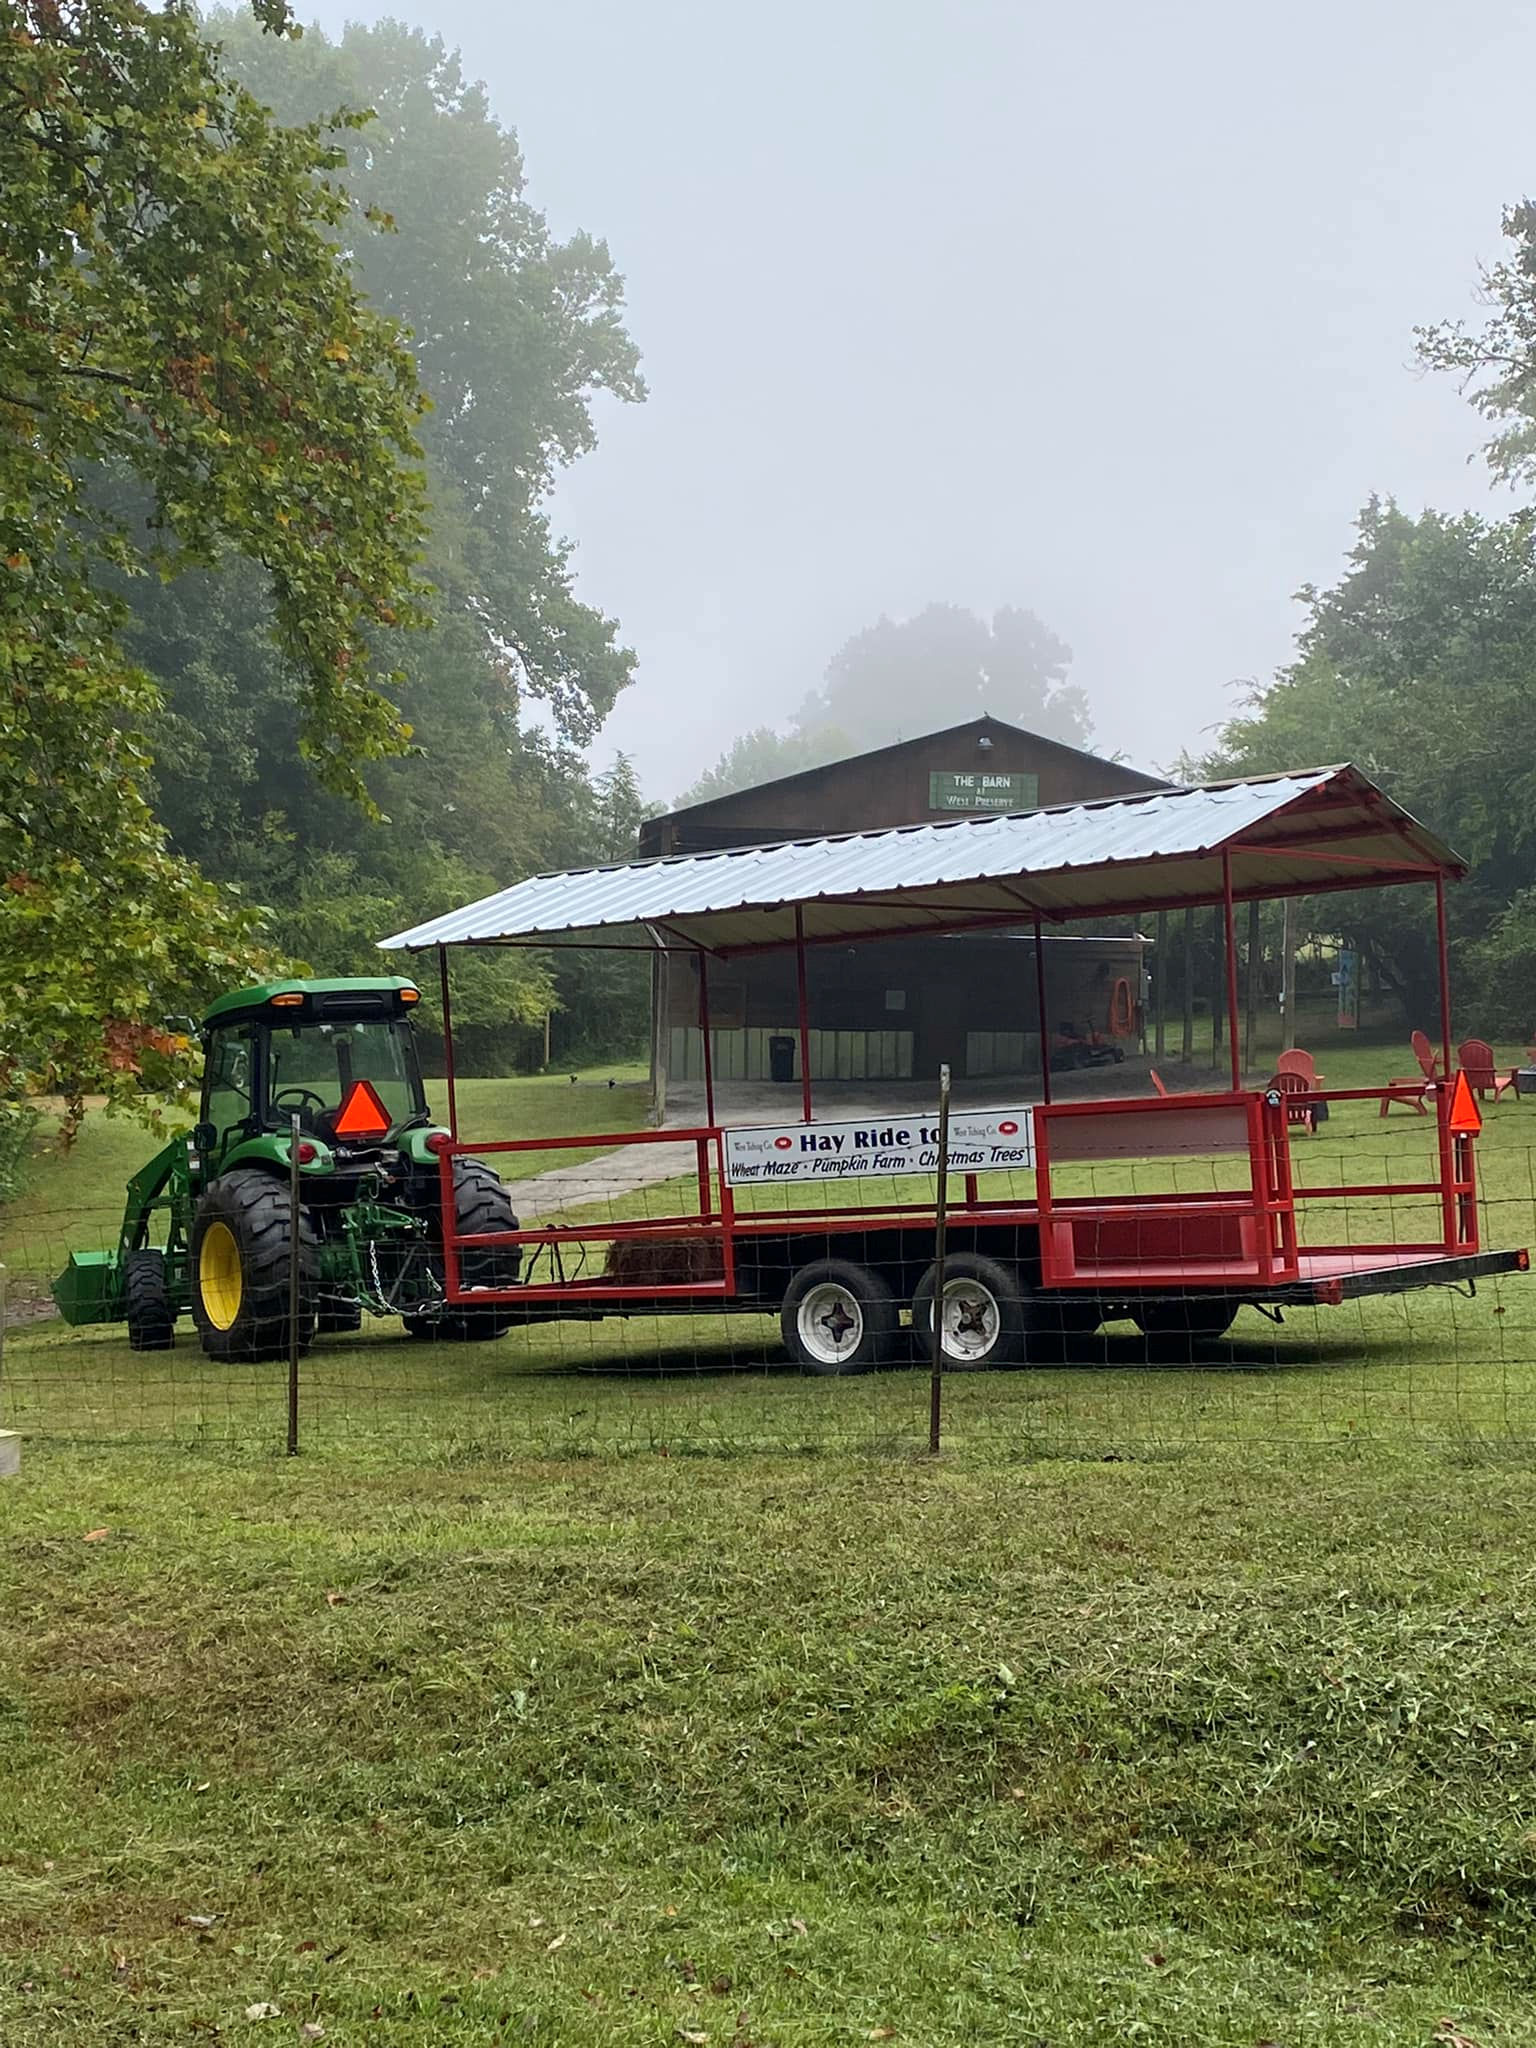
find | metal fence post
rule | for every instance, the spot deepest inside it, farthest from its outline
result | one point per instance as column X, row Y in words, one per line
column 295, row 1248
column 940, row 1230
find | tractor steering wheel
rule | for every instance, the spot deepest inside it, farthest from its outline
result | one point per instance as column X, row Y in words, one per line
column 304, row 1095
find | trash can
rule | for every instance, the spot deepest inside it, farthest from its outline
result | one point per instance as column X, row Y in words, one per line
column 781, row 1059
column 1525, row 1080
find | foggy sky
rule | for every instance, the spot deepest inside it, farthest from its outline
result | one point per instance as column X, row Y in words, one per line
column 1102, row 310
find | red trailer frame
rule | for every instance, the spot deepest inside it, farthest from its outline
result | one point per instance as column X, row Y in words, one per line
column 1238, row 1243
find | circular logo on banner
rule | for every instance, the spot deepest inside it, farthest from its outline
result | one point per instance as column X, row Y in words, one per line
column 1008, row 1129
column 781, row 1144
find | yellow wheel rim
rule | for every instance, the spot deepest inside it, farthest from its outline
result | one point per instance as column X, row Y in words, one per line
column 219, row 1279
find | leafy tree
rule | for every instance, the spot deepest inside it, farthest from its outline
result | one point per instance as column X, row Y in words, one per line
column 901, row 677
column 1416, row 666
column 763, row 756
column 1497, row 366
column 177, row 325
column 515, row 335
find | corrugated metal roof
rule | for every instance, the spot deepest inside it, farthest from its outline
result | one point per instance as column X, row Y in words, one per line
column 1307, row 833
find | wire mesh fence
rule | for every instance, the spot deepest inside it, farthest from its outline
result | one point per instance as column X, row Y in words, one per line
column 1099, row 1371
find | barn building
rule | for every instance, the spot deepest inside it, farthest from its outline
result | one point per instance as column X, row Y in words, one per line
column 894, row 1011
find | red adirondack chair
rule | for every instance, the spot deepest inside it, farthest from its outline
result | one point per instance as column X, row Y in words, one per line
column 1475, row 1058
column 1424, row 1080
column 1296, row 1061
column 1294, row 1088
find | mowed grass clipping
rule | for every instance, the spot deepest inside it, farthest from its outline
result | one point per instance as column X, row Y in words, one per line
column 1209, row 1749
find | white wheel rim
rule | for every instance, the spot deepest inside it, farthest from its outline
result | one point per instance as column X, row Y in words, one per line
column 830, row 1323
column 971, row 1321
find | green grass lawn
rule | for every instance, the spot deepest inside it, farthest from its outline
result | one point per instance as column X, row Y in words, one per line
column 612, row 1684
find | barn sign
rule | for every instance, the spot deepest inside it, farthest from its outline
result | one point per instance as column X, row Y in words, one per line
column 980, row 1141
column 979, row 790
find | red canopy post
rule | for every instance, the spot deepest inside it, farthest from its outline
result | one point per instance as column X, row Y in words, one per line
column 1040, row 1010
column 1231, row 947
column 1445, row 978
column 453, row 1100
column 805, row 1014
column 709, row 1058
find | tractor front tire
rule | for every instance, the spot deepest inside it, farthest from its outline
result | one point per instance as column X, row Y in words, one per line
column 147, row 1303
column 242, row 1257
column 481, row 1204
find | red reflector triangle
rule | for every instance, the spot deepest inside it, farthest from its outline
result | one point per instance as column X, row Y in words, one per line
column 362, row 1114
column 1466, row 1117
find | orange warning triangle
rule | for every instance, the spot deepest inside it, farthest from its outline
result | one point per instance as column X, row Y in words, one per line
column 362, row 1114
column 1466, row 1118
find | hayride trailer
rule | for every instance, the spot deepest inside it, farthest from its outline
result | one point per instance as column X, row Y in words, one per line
column 1030, row 1260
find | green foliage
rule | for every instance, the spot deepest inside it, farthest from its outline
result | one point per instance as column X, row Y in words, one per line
column 514, row 335
column 1497, row 366
column 1416, row 666
column 187, row 371
column 763, row 756
column 899, row 678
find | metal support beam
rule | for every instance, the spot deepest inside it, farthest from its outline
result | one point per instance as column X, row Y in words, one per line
column 1043, row 1013
column 1445, row 975
column 805, row 1014
column 704, row 1033
column 453, row 1099
column 1229, row 941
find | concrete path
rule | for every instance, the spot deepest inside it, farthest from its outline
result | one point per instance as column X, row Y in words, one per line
column 612, row 1174
column 628, row 1168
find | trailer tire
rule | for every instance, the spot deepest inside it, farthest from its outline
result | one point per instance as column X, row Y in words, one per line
column 147, row 1303
column 839, row 1318
column 480, row 1204
column 240, row 1262
column 1186, row 1319
column 990, row 1316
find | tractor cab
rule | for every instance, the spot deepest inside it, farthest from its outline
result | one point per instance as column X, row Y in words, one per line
column 339, row 1055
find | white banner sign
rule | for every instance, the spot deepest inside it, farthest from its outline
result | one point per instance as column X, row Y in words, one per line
column 980, row 1141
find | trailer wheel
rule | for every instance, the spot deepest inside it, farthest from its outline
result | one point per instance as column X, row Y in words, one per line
column 147, row 1303
column 989, row 1315
column 1186, row 1319
column 838, row 1318
column 241, row 1256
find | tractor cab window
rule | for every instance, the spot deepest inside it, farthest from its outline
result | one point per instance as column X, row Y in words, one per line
column 312, row 1066
column 227, row 1089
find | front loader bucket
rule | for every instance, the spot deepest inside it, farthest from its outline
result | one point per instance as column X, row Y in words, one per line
column 90, row 1288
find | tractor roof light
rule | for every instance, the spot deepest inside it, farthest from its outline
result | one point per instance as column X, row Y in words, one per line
column 292, row 1001
column 410, row 995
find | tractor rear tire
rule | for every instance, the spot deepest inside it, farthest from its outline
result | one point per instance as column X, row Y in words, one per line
column 481, row 1204
column 241, row 1259
column 147, row 1303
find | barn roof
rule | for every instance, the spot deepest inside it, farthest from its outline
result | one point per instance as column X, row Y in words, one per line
column 1295, row 834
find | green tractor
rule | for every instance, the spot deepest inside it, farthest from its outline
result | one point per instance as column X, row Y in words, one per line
column 209, row 1221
